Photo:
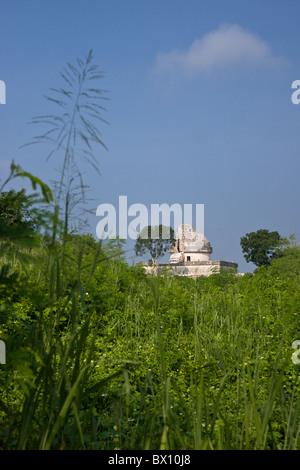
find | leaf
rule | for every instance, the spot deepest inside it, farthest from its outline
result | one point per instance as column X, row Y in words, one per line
column 17, row 171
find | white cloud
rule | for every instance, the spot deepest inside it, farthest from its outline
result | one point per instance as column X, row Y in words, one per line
column 224, row 47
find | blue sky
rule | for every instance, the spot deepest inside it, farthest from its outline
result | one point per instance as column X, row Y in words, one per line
column 199, row 107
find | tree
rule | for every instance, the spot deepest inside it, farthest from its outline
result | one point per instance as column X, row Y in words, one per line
column 17, row 225
column 19, row 220
column 14, row 209
column 155, row 240
column 261, row 247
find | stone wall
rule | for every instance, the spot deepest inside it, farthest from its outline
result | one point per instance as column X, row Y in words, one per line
column 194, row 269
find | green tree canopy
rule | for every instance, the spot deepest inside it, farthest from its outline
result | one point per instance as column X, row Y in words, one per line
column 17, row 229
column 288, row 263
column 155, row 241
column 261, row 247
column 15, row 209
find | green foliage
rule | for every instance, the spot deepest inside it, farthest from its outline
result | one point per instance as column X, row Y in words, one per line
column 101, row 356
column 260, row 247
column 20, row 221
column 155, row 241
column 14, row 209
column 289, row 262
column 17, row 224
column 16, row 171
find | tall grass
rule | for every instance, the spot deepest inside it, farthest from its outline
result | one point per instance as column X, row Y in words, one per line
column 199, row 377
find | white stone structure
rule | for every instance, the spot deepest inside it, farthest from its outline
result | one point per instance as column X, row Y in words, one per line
column 191, row 255
column 190, row 246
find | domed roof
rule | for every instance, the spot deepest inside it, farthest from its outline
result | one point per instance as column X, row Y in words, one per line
column 192, row 241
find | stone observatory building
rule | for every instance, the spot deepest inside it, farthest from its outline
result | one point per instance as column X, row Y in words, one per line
column 191, row 255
